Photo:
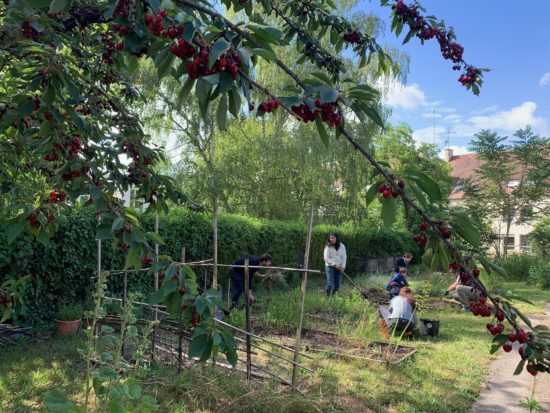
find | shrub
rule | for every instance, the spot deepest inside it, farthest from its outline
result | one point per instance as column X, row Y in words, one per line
column 61, row 273
column 540, row 238
column 70, row 312
column 518, row 265
column 540, row 274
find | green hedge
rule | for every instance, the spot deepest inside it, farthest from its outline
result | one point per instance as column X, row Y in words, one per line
column 61, row 273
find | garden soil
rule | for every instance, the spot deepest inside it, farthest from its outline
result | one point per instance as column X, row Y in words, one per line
column 503, row 392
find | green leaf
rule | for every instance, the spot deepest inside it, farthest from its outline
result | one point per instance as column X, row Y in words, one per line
column 56, row 401
column 428, row 185
column 523, row 317
column 234, row 102
column 498, row 342
column 409, row 36
column 374, row 115
column 221, row 115
column 37, row 3
column 464, row 226
column 198, row 346
column 43, row 237
column 389, row 211
column 218, row 48
column 372, row 193
column 322, row 76
column 329, row 95
column 156, row 297
column 184, row 92
column 322, row 131
column 266, row 54
column 519, row 367
column 107, row 373
column 133, row 260
column 118, row 223
column 57, row 6
column 164, row 63
column 14, row 230
column 134, row 389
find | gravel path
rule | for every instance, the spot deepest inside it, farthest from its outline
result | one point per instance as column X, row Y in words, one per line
column 503, row 392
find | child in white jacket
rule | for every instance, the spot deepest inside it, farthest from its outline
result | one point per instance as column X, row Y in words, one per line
column 335, row 262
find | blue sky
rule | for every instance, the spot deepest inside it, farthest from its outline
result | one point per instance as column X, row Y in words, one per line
column 511, row 38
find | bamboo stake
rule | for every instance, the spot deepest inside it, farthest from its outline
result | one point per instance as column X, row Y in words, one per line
column 180, row 332
column 304, row 284
column 247, row 303
column 262, row 267
column 274, row 354
column 124, row 301
column 262, row 339
column 156, row 288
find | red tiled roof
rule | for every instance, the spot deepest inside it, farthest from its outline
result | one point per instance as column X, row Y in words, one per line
column 464, row 167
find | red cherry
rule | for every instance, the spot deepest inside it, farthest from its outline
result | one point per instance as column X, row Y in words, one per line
column 507, row 347
column 423, row 226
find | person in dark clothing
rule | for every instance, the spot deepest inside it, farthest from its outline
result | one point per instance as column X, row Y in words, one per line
column 236, row 275
column 397, row 281
column 402, row 262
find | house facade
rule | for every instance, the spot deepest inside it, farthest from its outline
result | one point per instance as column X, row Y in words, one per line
column 463, row 168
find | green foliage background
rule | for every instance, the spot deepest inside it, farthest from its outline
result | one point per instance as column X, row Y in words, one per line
column 61, row 273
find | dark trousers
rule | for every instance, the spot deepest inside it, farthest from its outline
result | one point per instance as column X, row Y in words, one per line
column 237, row 287
column 334, row 277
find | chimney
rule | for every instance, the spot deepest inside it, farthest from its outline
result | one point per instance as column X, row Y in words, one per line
column 447, row 154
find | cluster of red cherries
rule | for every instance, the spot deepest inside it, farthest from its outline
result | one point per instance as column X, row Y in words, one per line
column 329, row 112
column 450, row 50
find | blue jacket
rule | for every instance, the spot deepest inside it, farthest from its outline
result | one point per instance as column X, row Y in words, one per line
column 399, row 279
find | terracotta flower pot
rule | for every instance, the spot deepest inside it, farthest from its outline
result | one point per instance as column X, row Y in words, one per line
column 67, row 328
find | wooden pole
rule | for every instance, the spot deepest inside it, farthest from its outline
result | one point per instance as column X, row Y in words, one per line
column 215, row 244
column 247, row 303
column 156, row 288
column 304, row 284
column 124, row 301
column 180, row 332
column 228, row 293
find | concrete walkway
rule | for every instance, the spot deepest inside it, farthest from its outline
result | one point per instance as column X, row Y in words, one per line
column 503, row 392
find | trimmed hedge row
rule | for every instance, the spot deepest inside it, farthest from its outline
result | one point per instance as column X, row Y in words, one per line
column 62, row 271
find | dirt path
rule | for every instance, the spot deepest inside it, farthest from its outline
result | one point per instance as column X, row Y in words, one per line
column 503, row 392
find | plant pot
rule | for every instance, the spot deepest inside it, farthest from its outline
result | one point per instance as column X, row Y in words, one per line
column 67, row 328
column 429, row 327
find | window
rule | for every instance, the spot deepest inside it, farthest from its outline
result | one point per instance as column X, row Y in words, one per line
column 524, row 243
column 509, row 243
column 513, row 183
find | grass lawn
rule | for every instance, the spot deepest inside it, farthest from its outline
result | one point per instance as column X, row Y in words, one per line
column 445, row 374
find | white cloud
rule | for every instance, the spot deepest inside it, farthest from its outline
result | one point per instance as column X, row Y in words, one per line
column 511, row 120
column 453, row 118
column 426, row 135
column 408, row 97
column 430, row 115
column 545, row 79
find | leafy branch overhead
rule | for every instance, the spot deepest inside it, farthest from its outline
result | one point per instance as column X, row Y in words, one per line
column 69, row 135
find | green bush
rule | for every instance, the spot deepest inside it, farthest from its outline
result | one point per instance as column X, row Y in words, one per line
column 540, row 238
column 62, row 272
column 518, row 265
column 70, row 312
column 539, row 274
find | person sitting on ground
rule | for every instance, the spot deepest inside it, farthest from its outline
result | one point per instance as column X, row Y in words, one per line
column 402, row 310
column 397, row 281
column 465, row 291
column 335, row 262
column 402, row 262
column 236, row 275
